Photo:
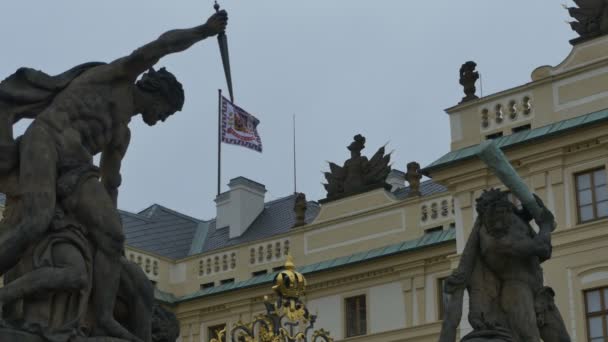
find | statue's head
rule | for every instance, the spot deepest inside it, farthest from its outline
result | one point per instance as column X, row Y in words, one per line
column 357, row 145
column 164, row 95
column 495, row 211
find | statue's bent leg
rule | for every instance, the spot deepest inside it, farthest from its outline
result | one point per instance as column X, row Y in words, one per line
column 37, row 177
column 551, row 324
column 95, row 209
column 517, row 301
column 141, row 293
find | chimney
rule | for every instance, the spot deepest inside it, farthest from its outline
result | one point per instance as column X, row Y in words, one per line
column 396, row 179
column 238, row 207
column 413, row 176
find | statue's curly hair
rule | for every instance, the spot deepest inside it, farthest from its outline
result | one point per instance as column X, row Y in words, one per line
column 490, row 197
column 164, row 83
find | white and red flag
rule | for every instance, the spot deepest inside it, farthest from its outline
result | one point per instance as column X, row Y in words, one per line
column 239, row 127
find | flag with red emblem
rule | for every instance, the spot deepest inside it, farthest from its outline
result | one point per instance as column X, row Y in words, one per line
column 239, row 127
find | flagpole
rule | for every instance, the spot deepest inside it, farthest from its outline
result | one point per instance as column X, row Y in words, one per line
column 295, row 188
column 219, row 140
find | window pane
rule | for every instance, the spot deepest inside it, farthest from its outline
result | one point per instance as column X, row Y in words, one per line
column 599, row 177
column 595, row 327
column 584, row 197
column 602, row 209
column 601, row 193
column 583, row 181
column 586, row 213
column 593, row 301
column 606, row 299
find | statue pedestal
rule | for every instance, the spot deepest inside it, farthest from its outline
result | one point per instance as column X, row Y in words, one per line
column 10, row 335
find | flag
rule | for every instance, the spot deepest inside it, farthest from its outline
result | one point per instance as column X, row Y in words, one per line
column 239, row 127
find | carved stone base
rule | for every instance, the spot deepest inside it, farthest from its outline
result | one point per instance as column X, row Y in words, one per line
column 488, row 336
column 10, row 335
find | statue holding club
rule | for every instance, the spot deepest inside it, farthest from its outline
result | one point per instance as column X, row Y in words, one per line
column 500, row 266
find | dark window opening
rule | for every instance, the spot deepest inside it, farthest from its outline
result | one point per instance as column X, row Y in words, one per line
column 356, row 316
column 433, row 230
column 596, row 314
column 493, row 135
column 278, row 268
column 591, row 195
column 227, row 281
column 522, row 128
column 207, row 285
column 259, row 273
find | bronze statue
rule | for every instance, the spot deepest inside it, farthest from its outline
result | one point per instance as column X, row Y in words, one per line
column 468, row 77
column 62, row 225
column 358, row 173
column 501, row 269
column 591, row 19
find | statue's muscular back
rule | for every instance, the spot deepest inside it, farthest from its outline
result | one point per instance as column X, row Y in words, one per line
column 92, row 112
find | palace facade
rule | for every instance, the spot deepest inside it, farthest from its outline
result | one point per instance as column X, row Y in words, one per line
column 375, row 261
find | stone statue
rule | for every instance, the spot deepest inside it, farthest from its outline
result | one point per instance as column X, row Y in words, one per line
column 591, row 19
column 413, row 176
column 61, row 240
column 468, row 77
column 501, row 269
column 165, row 327
column 358, row 174
column 300, row 206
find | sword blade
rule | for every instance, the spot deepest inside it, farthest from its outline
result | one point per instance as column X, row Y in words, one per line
column 222, row 41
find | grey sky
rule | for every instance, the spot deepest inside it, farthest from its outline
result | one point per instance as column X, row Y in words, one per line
column 385, row 69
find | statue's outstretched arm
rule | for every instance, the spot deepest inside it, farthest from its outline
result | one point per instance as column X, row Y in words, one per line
column 169, row 42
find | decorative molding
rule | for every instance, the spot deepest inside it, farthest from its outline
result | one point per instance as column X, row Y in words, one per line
column 350, row 279
column 150, row 265
column 506, row 112
column 402, row 228
column 269, row 251
column 212, row 309
column 436, row 210
column 217, row 263
column 557, row 106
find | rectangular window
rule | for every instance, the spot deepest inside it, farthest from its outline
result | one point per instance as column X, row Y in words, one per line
column 207, row 285
column 596, row 308
column 227, row 281
column 442, row 298
column 494, row 136
column 433, row 230
column 521, row 128
column 278, row 269
column 214, row 331
column 259, row 273
column 356, row 316
column 591, row 195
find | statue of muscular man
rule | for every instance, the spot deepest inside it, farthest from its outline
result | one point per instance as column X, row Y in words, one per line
column 501, row 269
column 77, row 115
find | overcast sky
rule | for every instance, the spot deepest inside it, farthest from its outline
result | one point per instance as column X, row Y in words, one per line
column 385, row 69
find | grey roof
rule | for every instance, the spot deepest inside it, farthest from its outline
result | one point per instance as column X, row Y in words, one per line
column 277, row 217
column 427, row 188
column 425, row 241
column 160, row 230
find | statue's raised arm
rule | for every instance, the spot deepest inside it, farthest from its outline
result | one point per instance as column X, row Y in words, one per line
column 170, row 42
